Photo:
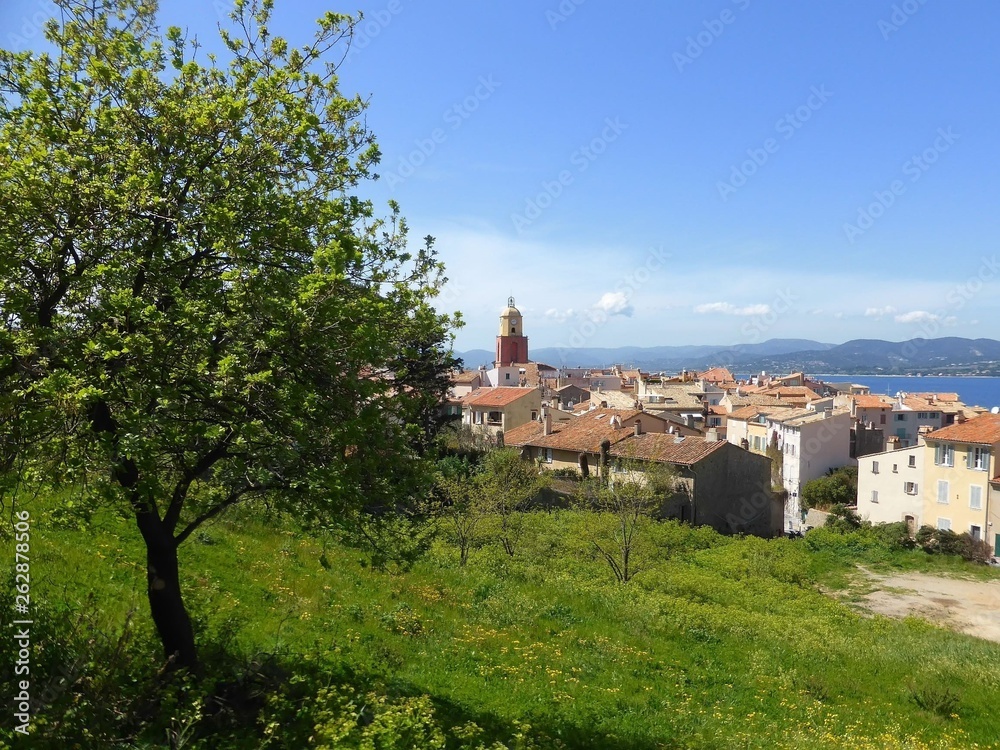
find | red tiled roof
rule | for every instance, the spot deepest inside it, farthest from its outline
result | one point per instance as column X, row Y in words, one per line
column 790, row 392
column 502, row 396
column 756, row 399
column 950, row 397
column 717, row 375
column 466, row 377
column 984, row 429
column 866, row 401
column 665, row 448
column 583, row 434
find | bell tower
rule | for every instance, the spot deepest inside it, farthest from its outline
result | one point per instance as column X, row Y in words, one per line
column 512, row 344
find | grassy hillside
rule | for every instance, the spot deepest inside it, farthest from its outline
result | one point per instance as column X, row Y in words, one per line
column 719, row 643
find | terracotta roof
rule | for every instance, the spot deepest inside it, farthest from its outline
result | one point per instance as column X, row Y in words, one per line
column 950, row 397
column 717, row 375
column 920, row 404
column 502, row 396
column 665, row 448
column 984, row 429
column 717, row 409
column 466, row 377
column 745, row 412
column 865, row 401
column 614, row 399
column 583, row 434
column 756, row 399
column 787, row 392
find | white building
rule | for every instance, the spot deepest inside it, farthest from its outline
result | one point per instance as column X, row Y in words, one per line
column 890, row 486
column 810, row 446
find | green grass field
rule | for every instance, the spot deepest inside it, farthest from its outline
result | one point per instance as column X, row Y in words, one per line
column 718, row 643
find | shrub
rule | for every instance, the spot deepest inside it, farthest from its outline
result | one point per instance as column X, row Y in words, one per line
column 843, row 519
column 947, row 542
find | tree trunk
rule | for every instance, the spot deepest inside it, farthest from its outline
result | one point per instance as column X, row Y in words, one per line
column 164, row 591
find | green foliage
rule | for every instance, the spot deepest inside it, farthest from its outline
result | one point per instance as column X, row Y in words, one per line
column 623, row 507
column 947, row 542
column 197, row 310
column 723, row 642
column 503, row 485
column 843, row 519
column 838, row 487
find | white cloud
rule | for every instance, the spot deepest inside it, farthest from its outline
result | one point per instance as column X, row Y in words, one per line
column 917, row 316
column 726, row 308
column 559, row 316
column 879, row 312
column 615, row 303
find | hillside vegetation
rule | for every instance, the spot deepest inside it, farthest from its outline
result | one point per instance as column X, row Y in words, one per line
column 718, row 643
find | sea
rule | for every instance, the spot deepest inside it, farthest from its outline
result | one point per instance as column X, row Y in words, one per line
column 972, row 390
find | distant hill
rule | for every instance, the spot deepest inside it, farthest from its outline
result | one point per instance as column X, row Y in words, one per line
column 948, row 355
column 653, row 357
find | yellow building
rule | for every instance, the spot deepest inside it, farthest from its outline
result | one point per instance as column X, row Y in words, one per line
column 962, row 485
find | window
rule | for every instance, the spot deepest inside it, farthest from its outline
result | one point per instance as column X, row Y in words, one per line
column 976, row 532
column 978, row 459
column 944, row 455
column 875, row 496
column 874, row 467
column 942, row 491
column 944, row 524
column 900, row 417
column 881, row 418
column 910, row 488
column 506, row 376
column 534, row 415
column 548, row 455
column 976, row 497
column 895, row 468
column 913, row 462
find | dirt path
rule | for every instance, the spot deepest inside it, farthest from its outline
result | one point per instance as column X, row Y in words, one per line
column 971, row 607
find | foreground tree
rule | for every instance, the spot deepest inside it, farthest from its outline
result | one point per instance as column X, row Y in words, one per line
column 504, row 485
column 195, row 309
column 625, row 505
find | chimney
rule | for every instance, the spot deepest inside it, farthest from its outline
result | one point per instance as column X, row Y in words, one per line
column 712, row 435
column 616, row 422
column 638, row 428
column 546, row 422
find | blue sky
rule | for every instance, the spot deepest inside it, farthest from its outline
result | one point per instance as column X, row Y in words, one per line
column 651, row 173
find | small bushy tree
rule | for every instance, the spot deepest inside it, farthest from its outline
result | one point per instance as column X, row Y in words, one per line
column 837, row 487
column 625, row 504
column 504, row 485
